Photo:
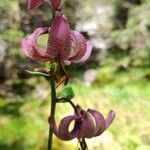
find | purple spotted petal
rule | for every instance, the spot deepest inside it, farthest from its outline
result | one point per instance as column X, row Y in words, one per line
column 59, row 38
column 31, row 48
column 87, row 128
column 55, row 4
column 79, row 46
column 87, row 53
column 110, row 118
column 99, row 121
column 63, row 131
column 34, row 3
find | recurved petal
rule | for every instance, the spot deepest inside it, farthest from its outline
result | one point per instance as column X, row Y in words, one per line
column 34, row 3
column 52, row 122
column 63, row 132
column 31, row 48
column 59, row 38
column 99, row 121
column 79, row 46
column 87, row 53
column 33, row 39
column 87, row 128
column 110, row 118
column 56, row 4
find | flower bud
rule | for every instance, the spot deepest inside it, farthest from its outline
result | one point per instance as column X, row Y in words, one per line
column 56, row 4
column 34, row 3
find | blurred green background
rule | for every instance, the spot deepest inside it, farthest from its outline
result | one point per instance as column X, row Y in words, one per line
column 117, row 75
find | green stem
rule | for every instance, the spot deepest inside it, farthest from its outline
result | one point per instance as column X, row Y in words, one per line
column 53, row 105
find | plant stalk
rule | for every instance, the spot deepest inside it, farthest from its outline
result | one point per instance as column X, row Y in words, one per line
column 53, row 105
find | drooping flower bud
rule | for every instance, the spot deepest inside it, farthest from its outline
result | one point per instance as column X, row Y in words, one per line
column 56, row 4
column 34, row 3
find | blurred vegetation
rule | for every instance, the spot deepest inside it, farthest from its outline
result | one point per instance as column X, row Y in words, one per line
column 121, row 82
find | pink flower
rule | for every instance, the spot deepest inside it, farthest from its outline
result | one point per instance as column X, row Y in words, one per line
column 56, row 4
column 88, row 124
column 63, row 43
column 35, row 3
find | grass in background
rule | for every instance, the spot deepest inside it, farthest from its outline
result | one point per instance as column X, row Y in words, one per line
column 24, row 119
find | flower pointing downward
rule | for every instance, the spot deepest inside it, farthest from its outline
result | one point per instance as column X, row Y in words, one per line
column 56, row 4
column 88, row 124
column 35, row 3
column 64, row 44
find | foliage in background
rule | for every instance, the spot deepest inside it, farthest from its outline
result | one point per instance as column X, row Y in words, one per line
column 122, row 79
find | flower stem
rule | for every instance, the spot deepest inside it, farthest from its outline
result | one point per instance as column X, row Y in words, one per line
column 53, row 105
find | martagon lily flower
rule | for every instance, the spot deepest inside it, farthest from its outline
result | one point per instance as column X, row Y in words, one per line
column 88, row 124
column 56, row 4
column 64, row 44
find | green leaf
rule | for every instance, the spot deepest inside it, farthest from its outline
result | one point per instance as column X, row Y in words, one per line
column 67, row 93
